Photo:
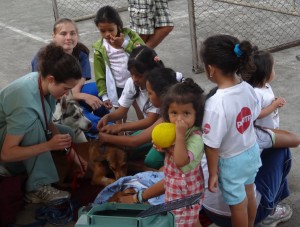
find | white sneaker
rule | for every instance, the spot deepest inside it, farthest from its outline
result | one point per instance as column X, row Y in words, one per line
column 46, row 194
column 283, row 212
column 4, row 172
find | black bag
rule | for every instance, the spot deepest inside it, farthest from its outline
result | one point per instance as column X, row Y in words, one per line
column 12, row 192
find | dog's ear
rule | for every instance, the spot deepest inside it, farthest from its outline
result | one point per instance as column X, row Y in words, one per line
column 63, row 104
column 70, row 95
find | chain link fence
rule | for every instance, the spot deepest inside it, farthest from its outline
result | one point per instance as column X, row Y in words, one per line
column 270, row 24
column 83, row 9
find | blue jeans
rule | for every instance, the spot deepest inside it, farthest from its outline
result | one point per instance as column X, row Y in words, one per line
column 270, row 181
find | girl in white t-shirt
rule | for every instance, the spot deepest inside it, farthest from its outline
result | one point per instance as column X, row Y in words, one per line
column 141, row 60
column 228, row 132
column 267, row 123
column 260, row 79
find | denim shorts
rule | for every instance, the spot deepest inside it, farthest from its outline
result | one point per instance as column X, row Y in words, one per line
column 236, row 172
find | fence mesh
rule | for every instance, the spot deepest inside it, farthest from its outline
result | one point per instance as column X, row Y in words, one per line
column 269, row 24
column 83, row 9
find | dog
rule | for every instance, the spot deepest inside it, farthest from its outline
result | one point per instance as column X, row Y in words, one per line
column 107, row 163
column 68, row 112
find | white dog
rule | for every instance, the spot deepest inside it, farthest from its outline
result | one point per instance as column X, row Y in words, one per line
column 68, row 112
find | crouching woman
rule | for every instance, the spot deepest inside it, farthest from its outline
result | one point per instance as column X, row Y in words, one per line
column 27, row 134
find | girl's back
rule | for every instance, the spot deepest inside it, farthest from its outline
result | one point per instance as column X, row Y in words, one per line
column 234, row 108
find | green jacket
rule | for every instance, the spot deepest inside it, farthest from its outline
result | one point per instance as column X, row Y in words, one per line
column 103, row 75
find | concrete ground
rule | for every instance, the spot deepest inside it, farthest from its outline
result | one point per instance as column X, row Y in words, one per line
column 25, row 26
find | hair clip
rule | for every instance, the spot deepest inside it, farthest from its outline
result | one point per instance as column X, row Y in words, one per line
column 156, row 59
column 238, row 52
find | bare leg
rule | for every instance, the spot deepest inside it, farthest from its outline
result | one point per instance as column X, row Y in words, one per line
column 198, row 224
column 251, row 208
column 155, row 39
column 239, row 215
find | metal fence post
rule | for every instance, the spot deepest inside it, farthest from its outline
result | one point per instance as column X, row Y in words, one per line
column 197, row 68
column 55, row 9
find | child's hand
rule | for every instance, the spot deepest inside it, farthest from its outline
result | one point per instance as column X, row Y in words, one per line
column 117, row 41
column 181, row 127
column 107, row 104
column 279, row 102
column 162, row 150
column 213, row 183
column 104, row 120
column 93, row 101
column 112, row 129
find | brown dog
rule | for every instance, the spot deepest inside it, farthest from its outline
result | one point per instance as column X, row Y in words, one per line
column 105, row 163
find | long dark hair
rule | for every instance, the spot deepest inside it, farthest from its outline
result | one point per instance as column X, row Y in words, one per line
column 160, row 80
column 143, row 59
column 264, row 63
column 108, row 14
column 219, row 50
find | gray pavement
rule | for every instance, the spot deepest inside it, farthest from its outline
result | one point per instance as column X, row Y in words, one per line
column 25, row 26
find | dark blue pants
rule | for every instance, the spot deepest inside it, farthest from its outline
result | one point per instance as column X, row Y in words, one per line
column 93, row 116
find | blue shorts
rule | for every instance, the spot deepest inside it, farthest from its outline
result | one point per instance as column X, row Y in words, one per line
column 236, row 172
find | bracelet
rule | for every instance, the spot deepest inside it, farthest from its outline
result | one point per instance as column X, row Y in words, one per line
column 139, row 196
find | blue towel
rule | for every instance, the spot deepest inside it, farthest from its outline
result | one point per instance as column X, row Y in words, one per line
column 139, row 181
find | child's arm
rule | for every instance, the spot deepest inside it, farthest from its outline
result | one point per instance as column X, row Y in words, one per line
column 100, row 78
column 113, row 116
column 131, row 126
column 129, row 141
column 285, row 138
column 212, row 156
column 154, row 191
column 277, row 103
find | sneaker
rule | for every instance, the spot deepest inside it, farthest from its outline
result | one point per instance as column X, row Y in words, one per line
column 46, row 194
column 283, row 212
column 4, row 172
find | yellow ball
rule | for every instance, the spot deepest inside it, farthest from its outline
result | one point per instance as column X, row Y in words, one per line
column 163, row 135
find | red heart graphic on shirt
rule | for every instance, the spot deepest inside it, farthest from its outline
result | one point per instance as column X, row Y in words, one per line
column 243, row 120
column 206, row 128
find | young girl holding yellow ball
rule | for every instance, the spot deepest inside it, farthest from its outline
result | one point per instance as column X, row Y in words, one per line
column 183, row 106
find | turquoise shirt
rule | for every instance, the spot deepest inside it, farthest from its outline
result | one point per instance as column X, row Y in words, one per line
column 21, row 106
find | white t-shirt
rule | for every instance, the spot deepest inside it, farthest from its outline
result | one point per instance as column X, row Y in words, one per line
column 266, row 97
column 126, row 99
column 118, row 59
column 228, row 119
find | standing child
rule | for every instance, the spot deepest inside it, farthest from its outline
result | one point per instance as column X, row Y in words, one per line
column 230, row 143
column 111, row 55
column 141, row 61
column 183, row 105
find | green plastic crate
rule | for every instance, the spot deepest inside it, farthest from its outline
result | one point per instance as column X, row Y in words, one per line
column 122, row 215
